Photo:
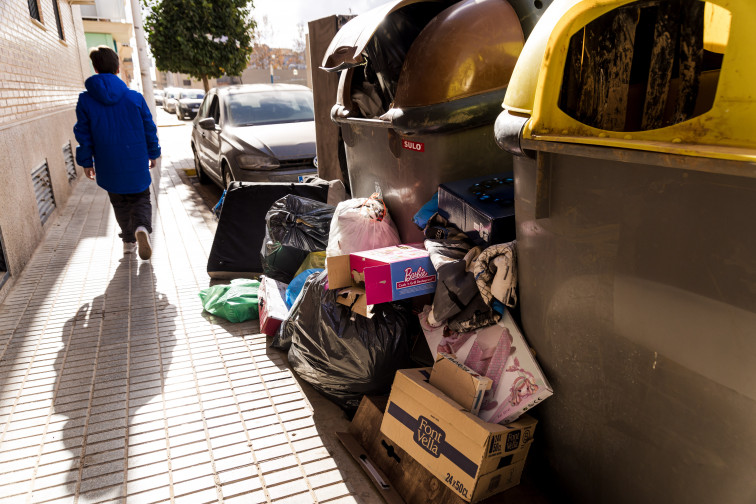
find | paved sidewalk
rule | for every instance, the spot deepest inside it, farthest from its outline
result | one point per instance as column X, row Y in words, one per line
column 115, row 387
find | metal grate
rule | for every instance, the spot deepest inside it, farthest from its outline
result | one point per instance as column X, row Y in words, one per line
column 56, row 10
column 69, row 160
column 34, row 10
column 292, row 163
column 43, row 192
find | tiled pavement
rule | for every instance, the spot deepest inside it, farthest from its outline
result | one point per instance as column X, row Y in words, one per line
column 115, row 387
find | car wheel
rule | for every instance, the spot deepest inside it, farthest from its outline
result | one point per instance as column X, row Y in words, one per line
column 178, row 113
column 227, row 177
column 202, row 177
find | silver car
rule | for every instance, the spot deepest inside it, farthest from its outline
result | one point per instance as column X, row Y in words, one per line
column 159, row 95
column 256, row 133
column 170, row 100
column 188, row 102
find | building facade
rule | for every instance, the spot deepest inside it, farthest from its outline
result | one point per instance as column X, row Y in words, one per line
column 43, row 63
column 108, row 22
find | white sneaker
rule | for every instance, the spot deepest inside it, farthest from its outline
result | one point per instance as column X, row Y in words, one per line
column 143, row 240
column 129, row 248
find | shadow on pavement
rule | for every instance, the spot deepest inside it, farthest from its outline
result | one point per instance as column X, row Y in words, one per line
column 117, row 351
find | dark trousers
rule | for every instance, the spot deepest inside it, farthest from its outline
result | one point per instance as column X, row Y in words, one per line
column 132, row 211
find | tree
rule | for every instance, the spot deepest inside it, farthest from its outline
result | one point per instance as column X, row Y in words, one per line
column 300, row 43
column 202, row 38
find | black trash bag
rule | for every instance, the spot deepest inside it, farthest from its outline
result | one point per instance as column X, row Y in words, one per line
column 294, row 227
column 344, row 355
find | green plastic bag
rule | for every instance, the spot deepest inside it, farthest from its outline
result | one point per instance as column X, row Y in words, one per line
column 236, row 302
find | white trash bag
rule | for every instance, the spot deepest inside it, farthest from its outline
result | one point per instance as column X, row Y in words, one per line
column 361, row 224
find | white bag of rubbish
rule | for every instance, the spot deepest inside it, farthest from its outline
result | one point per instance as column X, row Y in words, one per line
column 361, row 224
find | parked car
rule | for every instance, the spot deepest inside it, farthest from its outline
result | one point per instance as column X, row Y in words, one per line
column 254, row 132
column 170, row 100
column 159, row 97
column 188, row 102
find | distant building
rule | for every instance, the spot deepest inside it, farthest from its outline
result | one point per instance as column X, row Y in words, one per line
column 266, row 64
column 43, row 59
column 106, row 22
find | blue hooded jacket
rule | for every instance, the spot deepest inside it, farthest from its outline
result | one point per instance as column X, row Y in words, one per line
column 116, row 133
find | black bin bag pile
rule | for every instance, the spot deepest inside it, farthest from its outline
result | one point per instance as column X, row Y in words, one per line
column 343, row 355
column 294, row 227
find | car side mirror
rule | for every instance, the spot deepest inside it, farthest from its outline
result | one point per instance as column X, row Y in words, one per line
column 207, row 123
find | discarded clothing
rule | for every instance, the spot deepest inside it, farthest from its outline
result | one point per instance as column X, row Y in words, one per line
column 495, row 272
column 457, row 300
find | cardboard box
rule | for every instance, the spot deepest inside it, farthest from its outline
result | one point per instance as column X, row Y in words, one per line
column 459, row 382
column 272, row 304
column 354, row 298
column 472, row 457
column 520, row 384
column 386, row 274
column 482, row 207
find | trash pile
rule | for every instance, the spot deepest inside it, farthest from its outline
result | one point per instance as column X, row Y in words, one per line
column 430, row 323
column 410, row 293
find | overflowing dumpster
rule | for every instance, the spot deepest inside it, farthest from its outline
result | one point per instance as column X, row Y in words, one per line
column 421, row 85
column 632, row 126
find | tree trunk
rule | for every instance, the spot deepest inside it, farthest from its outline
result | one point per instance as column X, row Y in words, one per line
column 205, row 83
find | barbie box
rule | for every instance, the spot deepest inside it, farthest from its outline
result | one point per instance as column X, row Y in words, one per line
column 500, row 353
column 389, row 273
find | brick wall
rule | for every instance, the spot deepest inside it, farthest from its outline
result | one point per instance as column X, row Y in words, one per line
column 39, row 73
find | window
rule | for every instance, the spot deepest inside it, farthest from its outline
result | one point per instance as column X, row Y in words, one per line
column 646, row 65
column 3, row 264
column 270, row 107
column 56, row 10
column 34, row 10
column 187, row 82
column 205, row 108
column 215, row 110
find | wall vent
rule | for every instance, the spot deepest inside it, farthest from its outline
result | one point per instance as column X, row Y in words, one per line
column 68, row 157
column 43, row 192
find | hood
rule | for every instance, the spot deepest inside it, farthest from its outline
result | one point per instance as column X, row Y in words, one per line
column 283, row 141
column 106, row 88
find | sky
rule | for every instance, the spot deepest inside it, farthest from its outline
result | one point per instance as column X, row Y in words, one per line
column 284, row 15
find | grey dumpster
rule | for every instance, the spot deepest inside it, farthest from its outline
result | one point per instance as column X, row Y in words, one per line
column 419, row 91
column 635, row 195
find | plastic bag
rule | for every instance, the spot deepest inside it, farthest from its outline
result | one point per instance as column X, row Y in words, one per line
column 294, row 227
column 236, row 302
column 219, row 206
column 295, row 287
column 427, row 211
column 361, row 224
column 344, row 355
column 314, row 260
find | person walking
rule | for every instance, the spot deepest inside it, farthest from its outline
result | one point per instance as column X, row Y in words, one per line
column 118, row 145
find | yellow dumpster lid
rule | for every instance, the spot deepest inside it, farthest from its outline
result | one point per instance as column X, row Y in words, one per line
column 723, row 123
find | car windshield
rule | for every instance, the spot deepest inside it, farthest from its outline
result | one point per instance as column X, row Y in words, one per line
column 269, row 107
column 195, row 95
